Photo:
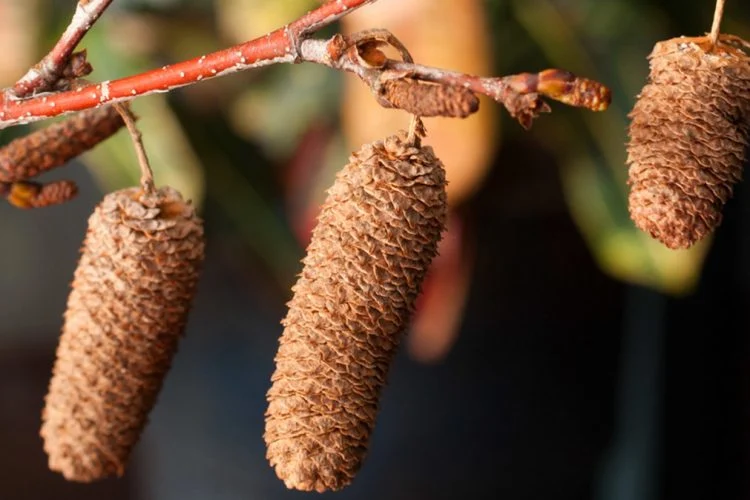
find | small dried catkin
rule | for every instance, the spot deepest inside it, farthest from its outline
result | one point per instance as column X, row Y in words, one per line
column 26, row 194
column 58, row 143
column 688, row 139
column 126, row 312
column 429, row 99
column 376, row 235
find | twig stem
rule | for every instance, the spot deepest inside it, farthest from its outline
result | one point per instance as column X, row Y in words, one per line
column 147, row 175
column 521, row 94
column 715, row 27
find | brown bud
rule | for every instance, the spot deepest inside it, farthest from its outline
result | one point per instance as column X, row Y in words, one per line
column 428, row 99
column 60, row 142
column 126, row 312
column 376, row 235
column 573, row 90
column 370, row 55
column 78, row 66
column 688, row 139
column 25, row 194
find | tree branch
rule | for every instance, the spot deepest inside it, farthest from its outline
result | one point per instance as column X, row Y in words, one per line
column 280, row 46
column 520, row 94
column 43, row 75
column 359, row 54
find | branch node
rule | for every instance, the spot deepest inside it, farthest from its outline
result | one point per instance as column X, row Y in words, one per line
column 293, row 46
column 336, row 47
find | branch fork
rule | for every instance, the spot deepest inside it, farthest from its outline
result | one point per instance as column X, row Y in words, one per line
column 54, row 87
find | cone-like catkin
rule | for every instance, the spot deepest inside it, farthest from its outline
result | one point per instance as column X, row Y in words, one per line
column 688, row 139
column 376, row 235
column 429, row 99
column 126, row 312
column 51, row 147
column 25, row 194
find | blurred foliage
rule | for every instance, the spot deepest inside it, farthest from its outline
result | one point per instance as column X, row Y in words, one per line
column 243, row 143
column 17, row 30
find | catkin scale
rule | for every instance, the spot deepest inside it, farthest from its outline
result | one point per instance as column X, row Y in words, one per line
column 689, row 137
column 126, row 312
column 376, row 235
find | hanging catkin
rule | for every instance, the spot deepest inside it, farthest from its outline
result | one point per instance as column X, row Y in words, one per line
column 428, row 99
column 376, row 235
column 126, row 312
column 58, row 143
column 27, row 194
column 688, row 138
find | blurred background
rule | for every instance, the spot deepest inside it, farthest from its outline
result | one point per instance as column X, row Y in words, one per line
column 557, row 352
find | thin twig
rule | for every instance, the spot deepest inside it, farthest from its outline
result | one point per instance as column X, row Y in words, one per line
column 280, row 46
column 45, row 73
column 416, row 131
column 715, row 27
column 147, row 175
column 521, row 94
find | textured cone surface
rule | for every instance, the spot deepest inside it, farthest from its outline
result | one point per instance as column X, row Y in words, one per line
column 429, row 99
column 51, row 147
column 126, row 312
column 688, row 139
column 25, row 194
column 376, row 235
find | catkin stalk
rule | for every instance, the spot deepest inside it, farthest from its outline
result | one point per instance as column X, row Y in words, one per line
column 375, row 238
column 126, row 311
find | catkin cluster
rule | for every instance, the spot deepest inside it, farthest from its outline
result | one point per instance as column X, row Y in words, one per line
column 126, row 311
column 376, row 235
column 688, row 138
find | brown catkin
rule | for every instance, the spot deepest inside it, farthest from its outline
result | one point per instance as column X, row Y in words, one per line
column 58, row 143
column 25, row 194
column 376, row 235
column 126, row 312
column 688, row 139
column 429, row 99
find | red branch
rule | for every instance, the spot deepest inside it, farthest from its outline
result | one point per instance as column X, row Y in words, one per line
column 46, row 72
column 520, row 94
column 276, row 47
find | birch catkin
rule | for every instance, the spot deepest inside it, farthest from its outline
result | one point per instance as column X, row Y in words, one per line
column 376, row 235
column 428, row 99
column 126, row 312
column 58, row 143
column 27, row 194
column 688, row 138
